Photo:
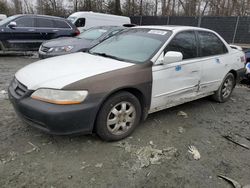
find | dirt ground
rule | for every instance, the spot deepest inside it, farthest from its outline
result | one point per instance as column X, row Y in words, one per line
column 156, row 154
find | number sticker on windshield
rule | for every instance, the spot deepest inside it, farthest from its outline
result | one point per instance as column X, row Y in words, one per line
column 158, row 32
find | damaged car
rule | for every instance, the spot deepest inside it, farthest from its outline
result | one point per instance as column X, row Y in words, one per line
column 114, row 86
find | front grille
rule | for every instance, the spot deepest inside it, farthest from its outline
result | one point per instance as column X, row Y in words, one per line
column 45, row 49
column 19, row 89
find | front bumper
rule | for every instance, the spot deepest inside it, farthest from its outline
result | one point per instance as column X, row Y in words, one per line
column 55, row 119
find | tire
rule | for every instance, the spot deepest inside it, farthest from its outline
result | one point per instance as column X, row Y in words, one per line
column 224, row 92
column 118, row 117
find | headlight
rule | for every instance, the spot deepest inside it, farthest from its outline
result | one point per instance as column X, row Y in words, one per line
column 63, row 49
column 60, row 96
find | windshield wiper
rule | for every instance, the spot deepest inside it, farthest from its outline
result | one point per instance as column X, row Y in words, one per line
column 107, row 55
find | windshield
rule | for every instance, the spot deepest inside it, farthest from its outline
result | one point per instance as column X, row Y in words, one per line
column 93, row 34
column 71, row 19
column 6, row 20
column 134, row 45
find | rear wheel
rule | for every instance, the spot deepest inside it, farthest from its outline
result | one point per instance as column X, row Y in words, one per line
column 225, row 90
column 118, row 117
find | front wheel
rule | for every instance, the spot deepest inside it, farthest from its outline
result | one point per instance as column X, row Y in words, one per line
column 118, row 117
column 225, row 90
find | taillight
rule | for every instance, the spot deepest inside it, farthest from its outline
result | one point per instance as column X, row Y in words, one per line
column 77, row 32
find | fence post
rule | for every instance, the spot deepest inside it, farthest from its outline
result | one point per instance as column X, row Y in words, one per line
column 168, row 21
column 140, row 20
column 199, row 21
column 235, row 29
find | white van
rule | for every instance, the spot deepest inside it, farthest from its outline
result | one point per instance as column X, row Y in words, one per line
column 2, row 16
column 85, row 20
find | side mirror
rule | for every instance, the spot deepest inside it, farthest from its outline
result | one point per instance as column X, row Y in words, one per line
column 12, row 25
column 172, row 57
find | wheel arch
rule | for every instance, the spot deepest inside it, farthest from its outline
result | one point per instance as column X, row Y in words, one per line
column 136, row 92
column 235, row 75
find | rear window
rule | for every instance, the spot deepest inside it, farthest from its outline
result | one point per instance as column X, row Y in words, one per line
column 184, row 42
column 45, row 23
column 210, row 44
column 93, row 34
column 61, row 24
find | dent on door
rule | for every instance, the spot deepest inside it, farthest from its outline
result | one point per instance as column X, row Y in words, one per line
column 174, row 83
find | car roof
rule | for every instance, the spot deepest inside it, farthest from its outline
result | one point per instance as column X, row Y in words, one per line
column 39, row 15
column 175, row 28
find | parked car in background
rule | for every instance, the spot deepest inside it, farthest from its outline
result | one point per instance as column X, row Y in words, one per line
column 80, row 43
column 27, row 32
column 2, row 16
column 114, row 86
column 85, row 20
column 247, row 53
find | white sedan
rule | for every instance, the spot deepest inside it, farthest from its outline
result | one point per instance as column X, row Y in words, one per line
column 114, row 86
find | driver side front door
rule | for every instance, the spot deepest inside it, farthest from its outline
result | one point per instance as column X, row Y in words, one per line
column 178, row 82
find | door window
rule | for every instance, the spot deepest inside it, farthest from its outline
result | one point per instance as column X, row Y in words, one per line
column 25, row 22
column 45, row 23
column 61, row 24
column 210, row 44
column 184, row 42
column 80, row 22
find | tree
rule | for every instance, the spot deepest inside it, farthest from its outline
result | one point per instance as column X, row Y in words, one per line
column 4, row 9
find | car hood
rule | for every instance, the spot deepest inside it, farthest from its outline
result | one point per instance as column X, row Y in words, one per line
column 68, row 41
column 58, row 72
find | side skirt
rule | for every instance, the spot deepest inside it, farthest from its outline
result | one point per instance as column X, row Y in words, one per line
column 179, row 102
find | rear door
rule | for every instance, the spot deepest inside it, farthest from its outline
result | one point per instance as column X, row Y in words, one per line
column 46, row 28
column 25, row 36
column 53, row 28
column 177, row 82
column 214, row 61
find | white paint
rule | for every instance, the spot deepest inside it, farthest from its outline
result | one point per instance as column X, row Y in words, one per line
column 174, row 81
column 179, row 82
column 2, row 16
column 93, row 19
column 60, row 71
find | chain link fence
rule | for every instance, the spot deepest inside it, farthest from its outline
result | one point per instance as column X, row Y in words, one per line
column 232, row 29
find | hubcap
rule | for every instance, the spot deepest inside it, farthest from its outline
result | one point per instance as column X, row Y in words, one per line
column 227, row 87
column 121, row 118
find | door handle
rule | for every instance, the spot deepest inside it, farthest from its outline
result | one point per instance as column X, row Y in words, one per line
column 31, row 29
column 55, row 30
column 194, row 71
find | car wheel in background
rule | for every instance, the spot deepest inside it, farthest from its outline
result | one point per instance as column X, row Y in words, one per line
column 118, row 116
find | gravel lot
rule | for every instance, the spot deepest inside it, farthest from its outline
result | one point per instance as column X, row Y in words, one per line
column 156, row 155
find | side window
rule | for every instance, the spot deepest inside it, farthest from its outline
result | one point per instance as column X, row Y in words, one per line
column 80, row 22
column 210, row 44
column 61, row 24
column 184, row 42
column 45, row 23
column 25, row 22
